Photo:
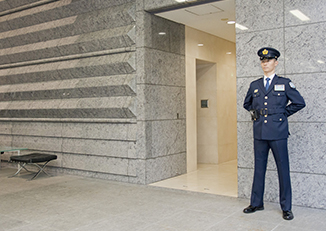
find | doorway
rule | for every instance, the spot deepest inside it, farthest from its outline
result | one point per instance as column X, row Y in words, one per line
column 211, row 129
column 210, row 69
column 211, row 118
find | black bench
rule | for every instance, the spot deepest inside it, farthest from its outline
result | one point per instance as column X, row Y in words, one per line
column 33, row 159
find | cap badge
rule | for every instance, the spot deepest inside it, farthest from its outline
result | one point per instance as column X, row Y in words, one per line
column 265, row 52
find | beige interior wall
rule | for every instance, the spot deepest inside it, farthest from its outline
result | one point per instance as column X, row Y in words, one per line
column 207, row 148
column 215, row 50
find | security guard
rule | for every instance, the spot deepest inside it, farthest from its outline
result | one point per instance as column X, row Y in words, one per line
column 267, row 100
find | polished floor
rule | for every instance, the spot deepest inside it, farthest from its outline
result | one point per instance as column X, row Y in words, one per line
column 219, row 179
column 83, row 204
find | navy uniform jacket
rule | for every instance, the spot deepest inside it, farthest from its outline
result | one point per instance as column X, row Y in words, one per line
column 273, row 106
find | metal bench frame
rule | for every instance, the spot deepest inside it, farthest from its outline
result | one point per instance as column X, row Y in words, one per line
column 32, row 162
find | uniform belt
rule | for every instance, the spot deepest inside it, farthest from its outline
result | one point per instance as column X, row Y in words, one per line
column 266, row 111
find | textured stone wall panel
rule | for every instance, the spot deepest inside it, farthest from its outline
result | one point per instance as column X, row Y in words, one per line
column 68, row 84
column 161, row 96
column 302, row 59
column 117, row 38
column 10, row 4
column 31, row 14
column 76, row 101
column 77, row 78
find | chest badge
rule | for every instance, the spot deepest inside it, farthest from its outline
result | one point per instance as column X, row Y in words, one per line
column 279, row 87
column 256, row 90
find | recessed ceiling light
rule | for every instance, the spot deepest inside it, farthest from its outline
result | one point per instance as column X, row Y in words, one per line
column 180, row 0
column 241, row 27
column 231, row 22
column 228, row 53
column 200, row 44
column 320, row 61
column 162, row 33
column 299, row 15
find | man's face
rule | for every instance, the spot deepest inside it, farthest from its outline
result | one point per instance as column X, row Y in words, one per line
column 268, row 65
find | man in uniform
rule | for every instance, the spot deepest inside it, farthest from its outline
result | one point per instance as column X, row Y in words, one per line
column 267, row 100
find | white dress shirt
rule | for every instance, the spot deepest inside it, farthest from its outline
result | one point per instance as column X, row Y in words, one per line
column 270, row 81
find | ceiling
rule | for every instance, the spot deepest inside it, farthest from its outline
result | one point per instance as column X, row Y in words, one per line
column 211, row 18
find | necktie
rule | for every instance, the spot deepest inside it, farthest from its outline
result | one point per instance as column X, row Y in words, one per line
column 267, row 83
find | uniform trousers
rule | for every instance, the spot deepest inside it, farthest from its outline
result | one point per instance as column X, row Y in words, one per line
column 280, row 153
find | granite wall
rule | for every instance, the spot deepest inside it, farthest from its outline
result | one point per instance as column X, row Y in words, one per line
column 91, row 81
column 161, row 95
column 166, row 5
column 303, row 58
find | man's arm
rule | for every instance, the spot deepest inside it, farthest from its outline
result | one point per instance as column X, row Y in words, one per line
column 248, row 100
column 297, row 101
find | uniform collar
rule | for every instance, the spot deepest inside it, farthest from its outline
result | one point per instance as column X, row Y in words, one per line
column 272, row 82
column 271, row 78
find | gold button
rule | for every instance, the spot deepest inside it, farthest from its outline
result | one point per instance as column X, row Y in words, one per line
column 266, row 97
column 265, row 121
column 265, row 103
column 279, row 94
column 265, row 115
column 280, row 119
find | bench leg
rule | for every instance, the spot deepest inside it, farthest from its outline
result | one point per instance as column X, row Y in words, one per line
column 41, row 169
column 19, row 169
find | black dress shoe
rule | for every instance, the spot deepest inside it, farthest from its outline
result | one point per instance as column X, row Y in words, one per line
column 288, row 215
column 251, row 209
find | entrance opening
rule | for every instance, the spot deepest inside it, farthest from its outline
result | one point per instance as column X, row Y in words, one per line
column 211, row 104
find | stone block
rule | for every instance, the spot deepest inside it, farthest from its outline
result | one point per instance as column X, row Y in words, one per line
column 173, row 39
column 307, row 189
column 165, row 167
column 37, row 129
column 245, row 145
column 168, row 137
column 144, row 141
column 310, row 85
column 315, row 10
column 248, row 63
column 5, row 128
column 99, row 164
column 6, row 139
column 243, row 85
column 305, row 46
column 42, row 144
column 161, row 138
column 307, row 148
column 168, row 4
column 160, row 68
column 105, row 131
column 150, row 5
column 270, row 11
column 160, row 102
column 107, row 148
column 245, row 178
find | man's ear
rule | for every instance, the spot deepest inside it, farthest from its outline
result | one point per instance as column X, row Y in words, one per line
column 276, row 62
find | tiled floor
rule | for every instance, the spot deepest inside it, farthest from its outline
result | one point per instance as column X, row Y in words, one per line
column 82, row 204
column 219, row 179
